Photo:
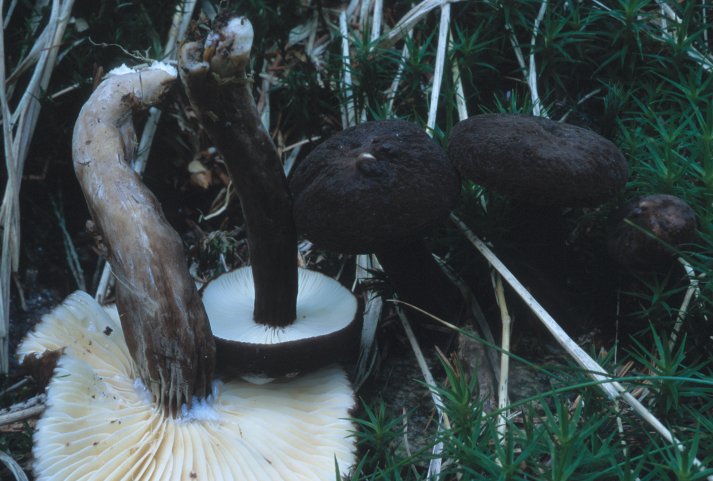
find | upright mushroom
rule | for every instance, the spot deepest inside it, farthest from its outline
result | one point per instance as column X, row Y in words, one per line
column 540, row 166
column 537, row 160
column 132, row 399
column 265, row 328
column 378, row 188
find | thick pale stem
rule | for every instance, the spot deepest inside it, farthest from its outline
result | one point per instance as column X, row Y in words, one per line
column 214, row 78
column 163, row 319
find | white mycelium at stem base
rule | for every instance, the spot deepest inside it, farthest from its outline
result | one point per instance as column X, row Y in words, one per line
column 100, row 424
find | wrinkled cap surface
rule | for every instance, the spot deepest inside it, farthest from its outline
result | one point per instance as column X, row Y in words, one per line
column 371, row 184
column 101, row 425
column 537, row 160
column 668, row 218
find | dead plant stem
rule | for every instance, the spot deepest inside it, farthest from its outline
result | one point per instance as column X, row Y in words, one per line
column 443, row 30
column 503, row 400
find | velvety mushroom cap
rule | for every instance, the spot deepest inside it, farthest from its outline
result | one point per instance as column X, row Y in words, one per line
column 370, row 184
column 537, row 160
column 325, row 331
column 100, row 423
column 669, row 219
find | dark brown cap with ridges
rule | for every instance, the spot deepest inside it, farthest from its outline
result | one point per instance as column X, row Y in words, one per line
column 370, row 184
column 537, row 160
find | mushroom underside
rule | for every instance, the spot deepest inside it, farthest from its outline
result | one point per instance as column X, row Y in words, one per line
column 100, row 423
column 324, row 331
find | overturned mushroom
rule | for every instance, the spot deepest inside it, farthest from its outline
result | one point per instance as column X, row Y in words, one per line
column 294, row 323
column 379, row 187
column 133, row 399
column 646, row 231
column 101, row 424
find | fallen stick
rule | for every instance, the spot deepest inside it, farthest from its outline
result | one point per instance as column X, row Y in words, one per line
column 24, row 410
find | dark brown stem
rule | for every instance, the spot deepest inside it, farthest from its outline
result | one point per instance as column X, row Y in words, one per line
column 417, row 279
column 229, row 115
column 165, row 325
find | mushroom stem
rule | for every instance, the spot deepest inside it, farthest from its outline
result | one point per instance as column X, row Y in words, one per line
column 219, row 90
column 417, row 279
column 163, row 318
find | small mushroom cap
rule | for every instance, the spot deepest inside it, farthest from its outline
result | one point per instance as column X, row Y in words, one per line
column 371, row 184
column 100, row 424
column 325, row 331
column 537, row 160
column 670, row 219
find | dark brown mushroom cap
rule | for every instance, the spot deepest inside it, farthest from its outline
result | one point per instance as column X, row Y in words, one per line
column 537, row 160
column 668, row 217
column 371, row 184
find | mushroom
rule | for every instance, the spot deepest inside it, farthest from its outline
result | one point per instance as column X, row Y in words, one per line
column 538, row 166
column 536, row 160
column 100, row 423
column 646, row 231
column 378, row 188
column 133, row 398
column 324, row 330
column 296, row 322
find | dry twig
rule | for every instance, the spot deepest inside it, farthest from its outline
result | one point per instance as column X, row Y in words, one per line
column 434, row 467
column 503, row 400
column 443, row 33
column 24, row 410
